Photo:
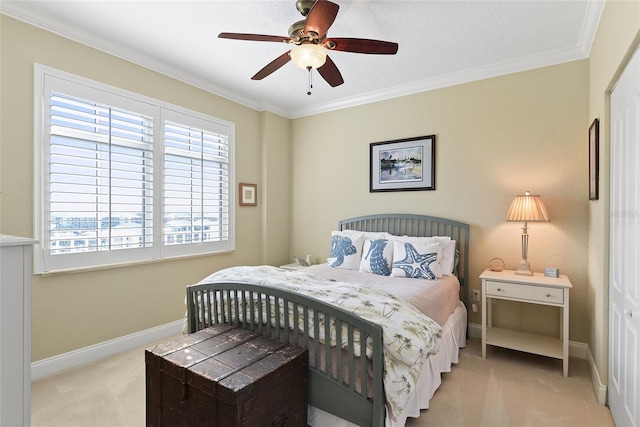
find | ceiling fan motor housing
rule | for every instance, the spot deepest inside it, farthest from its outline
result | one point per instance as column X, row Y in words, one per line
column 296, row 30
column 304, row 6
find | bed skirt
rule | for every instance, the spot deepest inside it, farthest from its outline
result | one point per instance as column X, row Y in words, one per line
column 454, row 334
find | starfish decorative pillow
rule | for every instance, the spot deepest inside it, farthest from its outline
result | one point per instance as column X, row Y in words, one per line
column 416, row 260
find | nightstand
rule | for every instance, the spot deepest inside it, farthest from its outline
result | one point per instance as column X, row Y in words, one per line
column 536, row 289
column 293, row 266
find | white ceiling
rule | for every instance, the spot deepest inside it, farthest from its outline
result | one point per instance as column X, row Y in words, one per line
column 441, row 43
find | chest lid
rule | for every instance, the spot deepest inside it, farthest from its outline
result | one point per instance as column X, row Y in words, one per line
column 224, row 362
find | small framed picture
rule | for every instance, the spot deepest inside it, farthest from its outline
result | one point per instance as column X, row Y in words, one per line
column 248, row 196
column 594, row 159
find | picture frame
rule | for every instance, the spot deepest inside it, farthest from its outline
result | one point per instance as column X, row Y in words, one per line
column 248, row 194
column 594, row 159
column 403, row 164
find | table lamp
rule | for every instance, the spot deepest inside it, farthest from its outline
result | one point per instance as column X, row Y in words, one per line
column 526, row 208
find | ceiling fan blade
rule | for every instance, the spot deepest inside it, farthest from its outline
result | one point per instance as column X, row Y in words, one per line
column 330, row 73
column 254, row 37
column 272, row 66
column 378, row 47
column 320, row 17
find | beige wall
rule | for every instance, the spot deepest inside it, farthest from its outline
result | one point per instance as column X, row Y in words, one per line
column 71, row 311
column 618, row 36
column 276, row 176
column 495, row 138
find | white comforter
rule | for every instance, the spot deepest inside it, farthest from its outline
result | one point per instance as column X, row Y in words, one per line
column 435, row 298
column 409, row 336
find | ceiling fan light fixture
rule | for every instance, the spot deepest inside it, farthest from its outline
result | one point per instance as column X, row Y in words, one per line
column 308, row 56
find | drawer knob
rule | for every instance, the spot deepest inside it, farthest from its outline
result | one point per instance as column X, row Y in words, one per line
column 498, row 289
column 548, row 295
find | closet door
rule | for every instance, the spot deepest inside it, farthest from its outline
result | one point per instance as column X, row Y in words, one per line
column 624, row 276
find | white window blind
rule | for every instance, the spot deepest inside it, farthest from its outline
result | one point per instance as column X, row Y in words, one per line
column 196, row 185
column 101, row 177
column 123, row 178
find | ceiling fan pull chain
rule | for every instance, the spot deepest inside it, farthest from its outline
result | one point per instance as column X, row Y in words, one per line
column 310, row 84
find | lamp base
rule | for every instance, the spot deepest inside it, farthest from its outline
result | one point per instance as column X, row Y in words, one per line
column 523, row 268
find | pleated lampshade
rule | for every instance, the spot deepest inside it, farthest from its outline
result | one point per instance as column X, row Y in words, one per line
column 527, row 208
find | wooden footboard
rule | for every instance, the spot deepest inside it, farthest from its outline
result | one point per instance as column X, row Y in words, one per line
column 344, row 392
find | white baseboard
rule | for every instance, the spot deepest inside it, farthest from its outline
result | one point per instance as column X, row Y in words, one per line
column 53, row 365
column 578, row 350
column 599, row 388
column 474, row 331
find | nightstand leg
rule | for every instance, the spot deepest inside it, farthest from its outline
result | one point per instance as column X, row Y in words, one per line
column 565, row 334
column 484, row 321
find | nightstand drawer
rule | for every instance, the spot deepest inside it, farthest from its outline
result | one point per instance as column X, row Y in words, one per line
column 526, row 292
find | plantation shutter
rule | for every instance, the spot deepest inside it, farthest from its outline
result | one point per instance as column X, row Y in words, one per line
column 196, row 185
column 100, row 173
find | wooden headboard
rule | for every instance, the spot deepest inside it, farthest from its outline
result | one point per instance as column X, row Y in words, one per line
column 420, row 226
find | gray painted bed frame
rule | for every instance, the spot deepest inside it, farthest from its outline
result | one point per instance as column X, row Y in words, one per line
column 337, row 393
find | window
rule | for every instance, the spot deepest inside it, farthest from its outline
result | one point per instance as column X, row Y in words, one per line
column 196, row 184
column 124, row 178
column 100, row 177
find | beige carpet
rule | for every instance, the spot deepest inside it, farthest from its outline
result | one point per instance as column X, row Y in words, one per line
column 507, row 389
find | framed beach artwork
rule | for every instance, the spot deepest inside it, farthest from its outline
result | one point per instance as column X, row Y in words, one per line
column 403, row 164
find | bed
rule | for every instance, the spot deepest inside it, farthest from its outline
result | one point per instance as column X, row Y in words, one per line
column 327, row 309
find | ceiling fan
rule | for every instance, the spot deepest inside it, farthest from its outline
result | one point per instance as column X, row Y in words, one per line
column 309, row 37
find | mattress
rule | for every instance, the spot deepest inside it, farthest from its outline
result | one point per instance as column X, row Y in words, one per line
column 436, row 299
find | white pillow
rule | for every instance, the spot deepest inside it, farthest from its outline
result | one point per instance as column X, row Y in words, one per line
column 447, row 263
column 346, row 250
column 368, row 234
column 377, row 255
column 417, row 260
column 429, row 239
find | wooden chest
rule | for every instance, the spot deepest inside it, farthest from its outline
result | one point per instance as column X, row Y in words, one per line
column 223, row 376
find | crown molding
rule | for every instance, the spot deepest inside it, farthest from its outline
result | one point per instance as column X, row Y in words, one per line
column 580, row 51
column 590, row 25
column 461, row 77
column 138, row 58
